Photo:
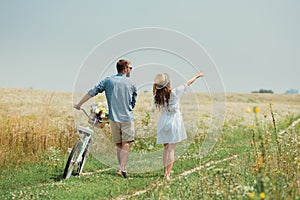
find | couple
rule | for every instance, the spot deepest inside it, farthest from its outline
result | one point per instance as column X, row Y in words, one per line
column 121, row 95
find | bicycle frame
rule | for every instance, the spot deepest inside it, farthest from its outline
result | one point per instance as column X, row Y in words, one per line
column 87, row 135
column 81, row 148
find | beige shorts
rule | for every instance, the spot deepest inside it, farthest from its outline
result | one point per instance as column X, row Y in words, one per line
column 122, row 132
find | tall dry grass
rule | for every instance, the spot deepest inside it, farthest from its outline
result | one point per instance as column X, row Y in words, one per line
column 32, row 122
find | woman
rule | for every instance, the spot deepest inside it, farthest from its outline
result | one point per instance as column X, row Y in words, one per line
column 170, row 127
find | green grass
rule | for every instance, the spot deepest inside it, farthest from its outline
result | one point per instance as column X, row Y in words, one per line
column 44, row 181
column 232, row 179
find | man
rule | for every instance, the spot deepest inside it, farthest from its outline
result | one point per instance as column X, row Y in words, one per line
column 121, row 95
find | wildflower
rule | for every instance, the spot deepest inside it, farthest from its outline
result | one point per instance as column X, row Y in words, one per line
column 256, row 109
column 252, row 195
column 262, row 195
column 260, row 162
column 248, row 110
column 251, row 126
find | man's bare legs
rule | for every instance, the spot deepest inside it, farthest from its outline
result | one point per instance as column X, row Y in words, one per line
column 123, row 150
column 119, row 148
column 168, row 159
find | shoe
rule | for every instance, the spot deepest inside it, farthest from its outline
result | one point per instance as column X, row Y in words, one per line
column 122, row 173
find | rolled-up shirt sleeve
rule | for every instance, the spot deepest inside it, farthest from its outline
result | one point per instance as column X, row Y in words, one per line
column 98, row 88
column 134, row 95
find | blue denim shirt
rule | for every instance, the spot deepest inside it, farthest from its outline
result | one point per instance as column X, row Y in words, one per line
column 120, row 94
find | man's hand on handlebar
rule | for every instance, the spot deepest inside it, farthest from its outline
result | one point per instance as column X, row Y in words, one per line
column 76, row 106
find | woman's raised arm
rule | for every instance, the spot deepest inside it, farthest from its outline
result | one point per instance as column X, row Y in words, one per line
column 192, row 80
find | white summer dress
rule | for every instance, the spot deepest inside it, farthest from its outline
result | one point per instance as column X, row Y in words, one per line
column 170, row 127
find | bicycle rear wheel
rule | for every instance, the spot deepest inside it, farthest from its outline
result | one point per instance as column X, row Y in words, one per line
column 72, row 165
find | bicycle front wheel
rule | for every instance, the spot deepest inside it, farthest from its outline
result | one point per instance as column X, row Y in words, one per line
column 82, row 162
column 72, row 165
column 83, row 159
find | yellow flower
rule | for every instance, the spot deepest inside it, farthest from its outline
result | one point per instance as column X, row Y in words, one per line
column 252, row 195
column 251, row 126
column 262, row 195
column 260, row 162
column 248, row 110
column 256, row 109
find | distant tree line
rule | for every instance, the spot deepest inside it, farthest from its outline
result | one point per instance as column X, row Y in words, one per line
column 292, row 91
column 263, row 91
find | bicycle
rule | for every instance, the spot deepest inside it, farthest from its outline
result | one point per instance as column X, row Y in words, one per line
column 77, row 157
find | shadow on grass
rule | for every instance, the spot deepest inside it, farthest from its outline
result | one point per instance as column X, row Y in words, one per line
column 56, row 177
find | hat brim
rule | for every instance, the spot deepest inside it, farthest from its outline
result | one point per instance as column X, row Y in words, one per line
column 167, row 80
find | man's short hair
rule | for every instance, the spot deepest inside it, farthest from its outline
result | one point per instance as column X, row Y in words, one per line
column 121, row 65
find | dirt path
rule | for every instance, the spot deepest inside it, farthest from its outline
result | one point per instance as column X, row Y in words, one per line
column 290, row 126
column 98, row 171
column 182, row 175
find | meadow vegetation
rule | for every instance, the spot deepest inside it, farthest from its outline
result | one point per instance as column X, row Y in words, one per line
column 256, row 156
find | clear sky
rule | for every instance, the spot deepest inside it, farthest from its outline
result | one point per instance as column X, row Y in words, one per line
column 255, row 44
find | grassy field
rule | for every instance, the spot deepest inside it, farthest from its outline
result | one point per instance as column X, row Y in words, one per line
column 256, row 156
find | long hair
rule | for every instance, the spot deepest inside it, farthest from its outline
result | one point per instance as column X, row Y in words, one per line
column 162, row 97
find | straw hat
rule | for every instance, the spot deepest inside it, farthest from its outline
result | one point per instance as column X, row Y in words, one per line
column 161, row 80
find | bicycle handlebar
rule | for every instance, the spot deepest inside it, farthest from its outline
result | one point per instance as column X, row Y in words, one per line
column 98, row 120
column 86, row 113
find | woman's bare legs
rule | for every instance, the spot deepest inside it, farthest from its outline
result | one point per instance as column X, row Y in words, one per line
column 168, row 159
column 165, row 159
